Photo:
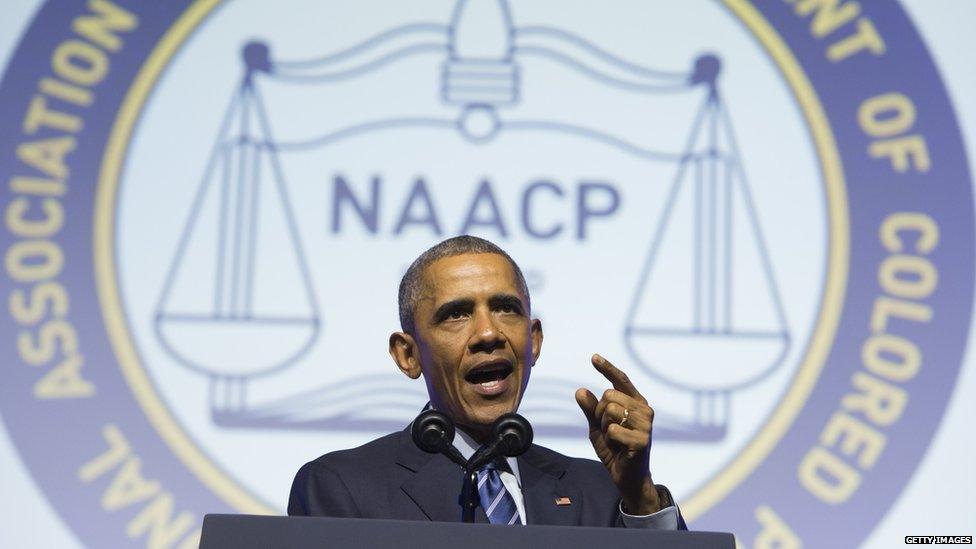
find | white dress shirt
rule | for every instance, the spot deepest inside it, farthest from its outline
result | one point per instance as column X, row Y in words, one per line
column 664, row 519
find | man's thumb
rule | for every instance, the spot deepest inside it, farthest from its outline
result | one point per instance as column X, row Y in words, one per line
column 587, row 402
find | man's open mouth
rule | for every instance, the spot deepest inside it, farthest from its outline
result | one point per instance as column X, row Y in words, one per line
column 491, row 378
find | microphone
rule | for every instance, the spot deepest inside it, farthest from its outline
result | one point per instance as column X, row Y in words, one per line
column 511, row 436
column 433, row 432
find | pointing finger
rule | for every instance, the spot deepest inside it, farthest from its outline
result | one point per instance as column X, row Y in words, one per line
column 616, row 377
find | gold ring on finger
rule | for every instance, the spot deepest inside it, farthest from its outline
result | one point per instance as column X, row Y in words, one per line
column 623, row 422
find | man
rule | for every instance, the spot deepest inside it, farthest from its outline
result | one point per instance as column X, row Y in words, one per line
column 467, row 330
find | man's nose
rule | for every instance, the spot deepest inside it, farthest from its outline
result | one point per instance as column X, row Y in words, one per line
column 486, row 337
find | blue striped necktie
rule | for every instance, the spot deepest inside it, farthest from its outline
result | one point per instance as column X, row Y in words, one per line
column 498, row 504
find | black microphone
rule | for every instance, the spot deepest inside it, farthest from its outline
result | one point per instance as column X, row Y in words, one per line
column 511, row 436
column 433, row 432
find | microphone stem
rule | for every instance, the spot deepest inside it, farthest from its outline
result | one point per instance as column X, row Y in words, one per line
column 469, row 496
column 482, row 456
column 454, row 455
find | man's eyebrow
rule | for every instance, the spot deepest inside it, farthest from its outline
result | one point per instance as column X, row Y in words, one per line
column 510, row 300
column 451, row 306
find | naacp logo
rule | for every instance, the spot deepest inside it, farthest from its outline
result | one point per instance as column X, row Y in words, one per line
column 763, row 251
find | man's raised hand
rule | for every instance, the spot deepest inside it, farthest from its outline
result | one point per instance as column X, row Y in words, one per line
column 620, row 430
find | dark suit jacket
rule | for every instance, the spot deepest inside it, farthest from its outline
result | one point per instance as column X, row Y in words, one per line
column 390, row 478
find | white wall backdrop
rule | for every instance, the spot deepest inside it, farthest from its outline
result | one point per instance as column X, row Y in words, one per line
column 941, row 496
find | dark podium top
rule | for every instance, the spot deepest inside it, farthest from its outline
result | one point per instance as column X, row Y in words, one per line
column 247, row 531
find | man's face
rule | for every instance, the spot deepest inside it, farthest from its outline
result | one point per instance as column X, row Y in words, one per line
column 475, row 338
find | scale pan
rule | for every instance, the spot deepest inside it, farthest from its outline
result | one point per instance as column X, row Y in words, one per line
column 708, row 361
column 236, row 347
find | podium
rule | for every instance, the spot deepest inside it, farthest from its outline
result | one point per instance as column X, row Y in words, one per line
column 248, row 531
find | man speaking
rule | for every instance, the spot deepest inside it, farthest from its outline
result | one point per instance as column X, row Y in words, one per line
column 467, row 329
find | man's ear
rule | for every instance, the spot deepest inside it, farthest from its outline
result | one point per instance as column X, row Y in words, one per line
column 536, row 333
column 406, row 354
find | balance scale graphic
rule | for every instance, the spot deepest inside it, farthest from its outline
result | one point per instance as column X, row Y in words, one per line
column 242, row 213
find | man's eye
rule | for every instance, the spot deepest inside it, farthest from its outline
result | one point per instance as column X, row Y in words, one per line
column 508, row 309
column 454, row 315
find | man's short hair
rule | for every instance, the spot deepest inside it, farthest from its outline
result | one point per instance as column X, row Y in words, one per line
column 412, row 282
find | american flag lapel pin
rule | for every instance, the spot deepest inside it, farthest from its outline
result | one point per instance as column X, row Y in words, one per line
column 563, row 500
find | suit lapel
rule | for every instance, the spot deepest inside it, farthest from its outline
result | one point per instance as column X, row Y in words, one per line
column 542, row 485
column 435, row 484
